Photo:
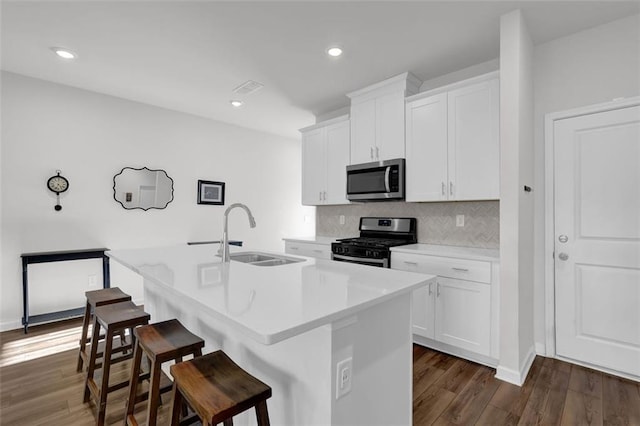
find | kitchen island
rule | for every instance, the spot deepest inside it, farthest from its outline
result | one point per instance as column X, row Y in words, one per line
column 292, row 326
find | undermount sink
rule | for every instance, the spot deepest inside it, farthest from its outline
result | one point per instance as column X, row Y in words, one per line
column 263, row 259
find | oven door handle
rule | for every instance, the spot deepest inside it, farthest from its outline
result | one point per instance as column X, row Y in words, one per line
column 359, row 259
column 387, row 183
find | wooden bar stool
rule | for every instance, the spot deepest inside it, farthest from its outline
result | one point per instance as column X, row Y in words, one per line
column 114, row 318
column 96, row 298
column 217, row 389
column 160, row 342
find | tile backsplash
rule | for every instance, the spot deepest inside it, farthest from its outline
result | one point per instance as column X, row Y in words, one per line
column 436, row 221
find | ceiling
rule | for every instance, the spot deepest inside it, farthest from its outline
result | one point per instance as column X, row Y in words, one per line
column 189, row 55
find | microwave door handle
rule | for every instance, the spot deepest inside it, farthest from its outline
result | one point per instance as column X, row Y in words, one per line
column 387, row 185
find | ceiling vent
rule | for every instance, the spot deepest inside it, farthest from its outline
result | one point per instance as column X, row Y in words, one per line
column 248, row 87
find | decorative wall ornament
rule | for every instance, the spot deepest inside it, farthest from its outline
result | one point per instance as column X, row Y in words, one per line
column 142, row 188
column 58, row 184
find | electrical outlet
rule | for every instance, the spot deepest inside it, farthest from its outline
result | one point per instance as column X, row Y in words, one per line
column 460, row 220
column 93, row 281
column 341, row 219
column 344, row 373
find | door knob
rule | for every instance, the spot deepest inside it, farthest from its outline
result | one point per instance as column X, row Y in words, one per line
column 563, row 238
column 563, row 256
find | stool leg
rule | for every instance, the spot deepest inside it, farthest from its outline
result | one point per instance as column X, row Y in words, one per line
column 95, row 333
column 133, row 382
column 123, row 341
column 106, row 366
column 185, row 409
column 261, row 413
column 154, row 393
column 176, row 398
column 83, row 338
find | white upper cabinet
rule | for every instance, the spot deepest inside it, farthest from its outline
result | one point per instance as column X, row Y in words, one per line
column 453, row 142
column 426, row 172
column 390, row 126
column 474, row 141
column 325, row 156
column 363, row 131
column 313, row 166
column 377, row 119
column 337, row 155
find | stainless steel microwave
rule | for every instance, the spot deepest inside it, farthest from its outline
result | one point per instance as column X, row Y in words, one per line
column 377, row 181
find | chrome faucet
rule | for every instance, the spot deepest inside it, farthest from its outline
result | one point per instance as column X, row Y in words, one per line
column 224, row 245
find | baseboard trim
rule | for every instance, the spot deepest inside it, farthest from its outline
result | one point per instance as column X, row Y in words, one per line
column 517, row 377
column 541, row 349
column 10, row 325
column 455, row 351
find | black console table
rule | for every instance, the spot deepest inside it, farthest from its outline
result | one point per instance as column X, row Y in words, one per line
column 58, row 256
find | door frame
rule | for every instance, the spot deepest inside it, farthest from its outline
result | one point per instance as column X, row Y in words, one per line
column 549, row 223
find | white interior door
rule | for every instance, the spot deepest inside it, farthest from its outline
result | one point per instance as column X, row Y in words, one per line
column 597, row 238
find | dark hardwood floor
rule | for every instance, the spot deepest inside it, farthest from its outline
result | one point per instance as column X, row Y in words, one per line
column 39, row 386
column 448, row 390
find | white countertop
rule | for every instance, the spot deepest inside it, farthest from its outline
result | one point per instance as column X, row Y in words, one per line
column 316, row 240
column 492, row 255
column 269, row 304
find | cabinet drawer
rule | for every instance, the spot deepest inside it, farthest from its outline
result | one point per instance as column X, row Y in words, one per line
column 463, row 269
column 320, row 251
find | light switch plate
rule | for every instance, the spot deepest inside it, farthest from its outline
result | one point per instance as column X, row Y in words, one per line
column 460, row 220
column 93, row 281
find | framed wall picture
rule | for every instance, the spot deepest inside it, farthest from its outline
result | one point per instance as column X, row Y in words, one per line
column 210, row 192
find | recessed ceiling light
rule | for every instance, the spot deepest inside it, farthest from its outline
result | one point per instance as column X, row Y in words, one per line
column 236, row 104
column 334, row 51
column 64, row 53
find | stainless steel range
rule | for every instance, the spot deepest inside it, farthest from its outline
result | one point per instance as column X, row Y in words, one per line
column 377, row 236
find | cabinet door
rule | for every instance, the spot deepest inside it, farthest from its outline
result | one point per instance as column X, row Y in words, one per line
column 390, row 126
column 463, row 314
column 363, row 131
column 474, row 142
column 313, row 167
column 337, row 152
column 423, row 312
column 426, row 174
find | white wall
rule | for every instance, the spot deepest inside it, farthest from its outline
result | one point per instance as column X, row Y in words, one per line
column 516, row 206
column 459, row 75
column 589, row 67
column 90, row 137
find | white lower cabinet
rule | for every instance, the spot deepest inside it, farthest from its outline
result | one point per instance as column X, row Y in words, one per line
column 455, row 311
column 463, row 314
column 309, row 249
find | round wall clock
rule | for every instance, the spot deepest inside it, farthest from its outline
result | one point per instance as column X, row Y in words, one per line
column 58, row 184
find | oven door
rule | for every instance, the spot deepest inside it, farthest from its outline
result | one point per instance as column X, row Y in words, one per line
column 382, row 263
